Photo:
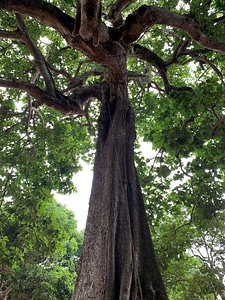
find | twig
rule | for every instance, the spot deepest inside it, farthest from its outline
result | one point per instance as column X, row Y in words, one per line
column 181, row 167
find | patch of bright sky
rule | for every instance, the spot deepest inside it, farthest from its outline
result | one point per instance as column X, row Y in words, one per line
column 183, row 5
column 78, row 202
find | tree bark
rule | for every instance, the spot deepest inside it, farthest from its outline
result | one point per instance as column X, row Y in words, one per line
column 118, row 259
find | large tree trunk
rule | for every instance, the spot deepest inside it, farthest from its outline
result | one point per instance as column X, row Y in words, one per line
column 118, row 259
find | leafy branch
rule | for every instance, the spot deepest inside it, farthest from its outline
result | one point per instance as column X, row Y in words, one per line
column 153, row 59
column 72, row 105
column 147, row 16
column 38, row 57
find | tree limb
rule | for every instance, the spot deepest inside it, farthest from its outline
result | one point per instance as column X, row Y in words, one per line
column 4, row 294
column 42, row 11
column 135, row 25
column 147, row 16
column 38, row 57
column 219, row 124
column 82, row 79
column 13, row 35
column 152, row 58
column 68, row 105
column 115, row 11
column 181, row 46
column 88, row 20
column 61, row 71
column 204, row 59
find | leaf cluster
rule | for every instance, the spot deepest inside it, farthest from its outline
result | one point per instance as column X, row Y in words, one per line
column 40, row 247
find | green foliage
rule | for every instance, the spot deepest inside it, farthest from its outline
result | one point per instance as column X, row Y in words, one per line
column 39, row 250
column 182, row 177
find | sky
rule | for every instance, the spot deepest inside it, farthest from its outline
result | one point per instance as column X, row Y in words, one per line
column 78, row 202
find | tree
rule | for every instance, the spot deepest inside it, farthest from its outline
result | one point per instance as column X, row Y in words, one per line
column 90, row 59
column 38, row 254
column 192, row 265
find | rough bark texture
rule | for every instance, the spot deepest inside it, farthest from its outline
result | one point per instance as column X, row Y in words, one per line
column 118, row 260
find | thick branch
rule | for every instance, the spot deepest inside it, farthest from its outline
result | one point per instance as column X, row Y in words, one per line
column 85, row 94
column 42, row 11
column 116, row 9
column 89, row 12
column 72, row 105
column 38, row 57
column 146, row 16
column 135, row 24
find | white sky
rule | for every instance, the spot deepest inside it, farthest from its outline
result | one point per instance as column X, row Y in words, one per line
column 78, row 202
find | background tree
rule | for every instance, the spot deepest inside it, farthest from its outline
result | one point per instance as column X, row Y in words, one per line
column 39, row 245
column 169, row 63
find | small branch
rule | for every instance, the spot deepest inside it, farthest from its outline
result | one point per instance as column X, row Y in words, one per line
column 155, row 86
column 11, row 128
column 214, row 112
column 215, row 69
column 179, row 48
column 152, row 58
column 59, row 71
column 8, row 115
column 13, row 35
column 200, row 256
column 4, row 294
column 161, row 150
column 82, row 80
column 219, row 124
column 193, row 53
column 180, row 278
column 219, row 20
column 80, row 65
column 190, row 120
column 182, row 88
column 187, row 223
column 182, row 169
